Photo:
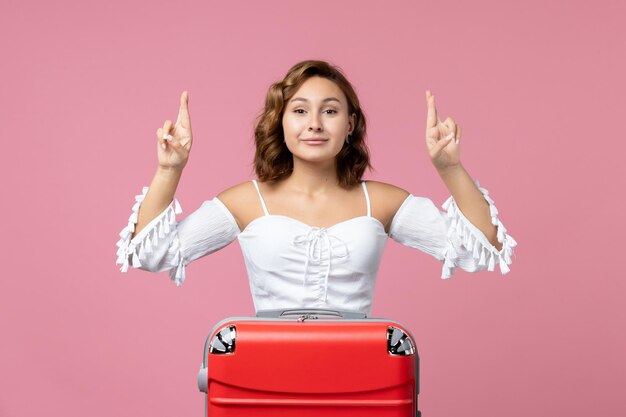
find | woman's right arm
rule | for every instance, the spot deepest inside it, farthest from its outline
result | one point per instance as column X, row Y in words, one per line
column 173, row 147
column 153, row 240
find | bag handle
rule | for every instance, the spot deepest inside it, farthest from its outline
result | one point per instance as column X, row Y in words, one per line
column 286, row 312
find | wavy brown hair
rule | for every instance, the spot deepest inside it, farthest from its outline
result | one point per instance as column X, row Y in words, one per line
column 273, row 161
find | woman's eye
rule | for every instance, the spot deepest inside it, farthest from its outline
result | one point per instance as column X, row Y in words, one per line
column 302, row 111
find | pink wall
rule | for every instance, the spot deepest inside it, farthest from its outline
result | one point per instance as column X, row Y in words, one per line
column 537, row 86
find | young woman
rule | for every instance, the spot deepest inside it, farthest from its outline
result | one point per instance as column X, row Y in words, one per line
column 311, row 231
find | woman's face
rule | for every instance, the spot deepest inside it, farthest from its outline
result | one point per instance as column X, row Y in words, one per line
column 316, row 120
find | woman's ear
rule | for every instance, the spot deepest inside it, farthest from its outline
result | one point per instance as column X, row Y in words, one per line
column 352, row 123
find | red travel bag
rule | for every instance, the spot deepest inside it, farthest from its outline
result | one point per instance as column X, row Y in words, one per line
column 309, row 362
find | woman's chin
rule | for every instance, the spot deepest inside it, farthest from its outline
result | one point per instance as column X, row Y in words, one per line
column 315, row 157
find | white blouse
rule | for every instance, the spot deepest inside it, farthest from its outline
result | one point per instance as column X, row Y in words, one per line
column 291, row 264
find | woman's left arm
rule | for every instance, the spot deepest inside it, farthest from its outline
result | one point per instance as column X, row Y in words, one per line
column 443, row 140
column 470, row 201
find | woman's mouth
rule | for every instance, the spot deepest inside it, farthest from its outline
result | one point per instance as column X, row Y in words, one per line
column 315, row 141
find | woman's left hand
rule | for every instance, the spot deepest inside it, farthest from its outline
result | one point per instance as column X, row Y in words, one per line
column 442, row 138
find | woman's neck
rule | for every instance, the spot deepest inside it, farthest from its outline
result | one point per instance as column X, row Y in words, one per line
column 312, row 178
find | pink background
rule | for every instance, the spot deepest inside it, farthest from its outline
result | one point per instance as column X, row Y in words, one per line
column 537, row 86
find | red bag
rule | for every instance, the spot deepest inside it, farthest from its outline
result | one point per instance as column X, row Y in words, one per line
column 309, row 362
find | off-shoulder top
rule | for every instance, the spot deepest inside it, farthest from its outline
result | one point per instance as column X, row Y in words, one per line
column 293, row 264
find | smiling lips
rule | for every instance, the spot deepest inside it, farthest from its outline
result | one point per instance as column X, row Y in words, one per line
column 315, row 141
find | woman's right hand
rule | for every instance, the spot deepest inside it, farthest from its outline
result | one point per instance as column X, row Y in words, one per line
column 174, row 140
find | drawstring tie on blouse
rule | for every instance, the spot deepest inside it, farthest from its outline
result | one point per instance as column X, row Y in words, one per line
column 317, row 239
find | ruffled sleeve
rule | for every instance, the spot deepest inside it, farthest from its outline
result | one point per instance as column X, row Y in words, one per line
column 450, row 237
column 167, row 245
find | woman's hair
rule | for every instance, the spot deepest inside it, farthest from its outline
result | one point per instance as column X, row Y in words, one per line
column 273, row 161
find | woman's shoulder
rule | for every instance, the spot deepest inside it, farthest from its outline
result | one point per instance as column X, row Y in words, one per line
column 385, row 192
column 385, row 199
column 242, row 201
column 237, row 191
column 385, row 188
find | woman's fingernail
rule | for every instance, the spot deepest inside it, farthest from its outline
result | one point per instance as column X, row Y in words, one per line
column 450, row 136
column 163, row 146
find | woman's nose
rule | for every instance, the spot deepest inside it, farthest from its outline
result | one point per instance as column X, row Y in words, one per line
column 315, row 124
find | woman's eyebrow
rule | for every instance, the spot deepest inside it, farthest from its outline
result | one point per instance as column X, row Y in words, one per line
column 323, row 101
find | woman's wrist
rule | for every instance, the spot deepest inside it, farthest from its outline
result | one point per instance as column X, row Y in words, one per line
column 169, row 172
column 451, row 171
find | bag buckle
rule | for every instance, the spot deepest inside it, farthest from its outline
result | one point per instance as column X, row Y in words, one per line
column 307, row 316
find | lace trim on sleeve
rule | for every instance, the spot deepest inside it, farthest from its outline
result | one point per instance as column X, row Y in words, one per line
column 133, row 251
column 482, row 251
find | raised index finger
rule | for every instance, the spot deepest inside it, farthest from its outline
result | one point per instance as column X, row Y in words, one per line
column 183, row 111
column 431, row 116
